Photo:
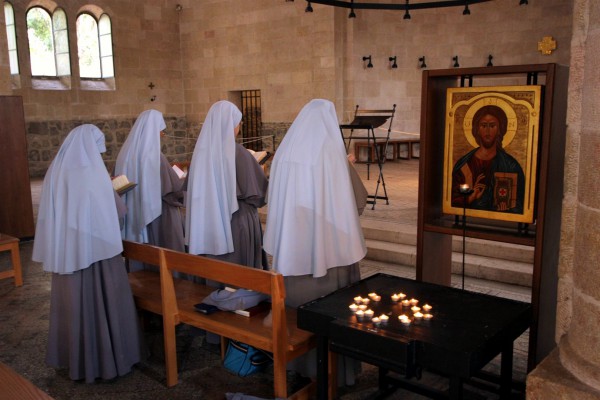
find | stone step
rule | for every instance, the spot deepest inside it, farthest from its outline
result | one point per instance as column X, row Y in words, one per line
column 395, row 244
column 487, row 268
column 407, row 235
column 515, row 292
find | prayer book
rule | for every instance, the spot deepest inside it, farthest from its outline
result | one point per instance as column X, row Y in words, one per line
column 180, row 173
column 260, row 156
column 122, row 185
column 257, row 309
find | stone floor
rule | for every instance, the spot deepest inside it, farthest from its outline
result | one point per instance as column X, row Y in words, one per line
column 24, row 324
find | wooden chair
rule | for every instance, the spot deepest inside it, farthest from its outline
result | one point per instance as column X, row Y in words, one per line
column 9, row 243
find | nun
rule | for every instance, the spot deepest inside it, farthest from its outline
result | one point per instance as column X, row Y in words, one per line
column 93, row 328
column 153, row 206
column 313, row 230
column 225, row 188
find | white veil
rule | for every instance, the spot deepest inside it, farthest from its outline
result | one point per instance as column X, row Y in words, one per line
column 139, row 160
column 312, row 221
column 77, row 221
column 212, row 190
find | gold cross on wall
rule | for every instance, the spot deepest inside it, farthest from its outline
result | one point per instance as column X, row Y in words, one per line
column 547, row 45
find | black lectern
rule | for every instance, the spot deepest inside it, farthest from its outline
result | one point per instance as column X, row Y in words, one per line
column 368, row 120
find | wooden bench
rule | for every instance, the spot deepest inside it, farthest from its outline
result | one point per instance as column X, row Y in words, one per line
column 174, row 299
column 9, row 243
column 396, row 149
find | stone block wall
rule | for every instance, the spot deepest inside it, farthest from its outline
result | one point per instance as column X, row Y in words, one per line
column 44, row 140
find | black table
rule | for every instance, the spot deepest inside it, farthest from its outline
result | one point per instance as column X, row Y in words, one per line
column 466, row 332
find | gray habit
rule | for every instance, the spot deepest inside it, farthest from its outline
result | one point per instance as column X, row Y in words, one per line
column 94, row 328
column 246, row 228
column 304, row 288
column 167, row 230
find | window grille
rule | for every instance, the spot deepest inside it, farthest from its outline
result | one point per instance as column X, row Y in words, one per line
column 252, row 120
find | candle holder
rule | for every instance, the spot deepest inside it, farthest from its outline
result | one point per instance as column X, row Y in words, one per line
column 466, row 191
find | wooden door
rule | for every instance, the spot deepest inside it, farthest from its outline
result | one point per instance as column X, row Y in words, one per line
column 16, row 210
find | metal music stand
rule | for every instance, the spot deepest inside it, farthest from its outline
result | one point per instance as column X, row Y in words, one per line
column 368, row 120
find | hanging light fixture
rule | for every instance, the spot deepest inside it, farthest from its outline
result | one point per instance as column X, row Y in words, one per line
column 393, row 62
column 369, row 64
column 308, row 8
column 394, row 5
column 466, row 11
column 406, row 14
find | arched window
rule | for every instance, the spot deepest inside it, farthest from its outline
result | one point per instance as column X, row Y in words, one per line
column 48, row 42
column 61, row 42
column 94, row 44
column 11, row 35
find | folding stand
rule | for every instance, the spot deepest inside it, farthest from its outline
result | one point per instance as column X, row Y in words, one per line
column 368, row 120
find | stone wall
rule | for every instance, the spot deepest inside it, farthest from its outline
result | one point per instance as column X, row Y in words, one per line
column 44, row 140
column 572, row 371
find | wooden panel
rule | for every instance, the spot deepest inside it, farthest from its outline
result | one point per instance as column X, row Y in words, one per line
column 543, row 236
column 16, row 210
column 15, row 386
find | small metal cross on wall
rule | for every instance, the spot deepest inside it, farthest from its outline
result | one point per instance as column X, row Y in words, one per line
column 151, row 85
column 547, row 45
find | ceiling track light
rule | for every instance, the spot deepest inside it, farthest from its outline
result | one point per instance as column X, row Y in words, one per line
column 369, row 64
column 393, row 62
column 398, row 5
column 308, row 7
column 466, row 11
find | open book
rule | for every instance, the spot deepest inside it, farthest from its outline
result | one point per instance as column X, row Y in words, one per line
column 180, row 173
column 122, row 185
column 260, row 156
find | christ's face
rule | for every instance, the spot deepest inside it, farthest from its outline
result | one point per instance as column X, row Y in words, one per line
column 487, row 130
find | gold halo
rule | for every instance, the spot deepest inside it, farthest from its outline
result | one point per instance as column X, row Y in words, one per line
column 511, row 116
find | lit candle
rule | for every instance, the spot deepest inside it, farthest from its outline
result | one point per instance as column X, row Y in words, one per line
column 406, row 303
column 395, row 297
column 404, row 319
column 369, row 313
column 464, row 188
column 418, row 315
column 415, row 309
column 427, row 316
column 376, row 298
column 358, row 299
column 402, row 296
column 384, row 318
column 376, row 321
column 359, row 315
column 414, row 302
column 362, row 307
column 426, row 307
column 366, row 300
column 371, row 295
column 353, row 307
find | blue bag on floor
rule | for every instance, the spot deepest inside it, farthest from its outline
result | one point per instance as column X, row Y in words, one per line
column 244, row 360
